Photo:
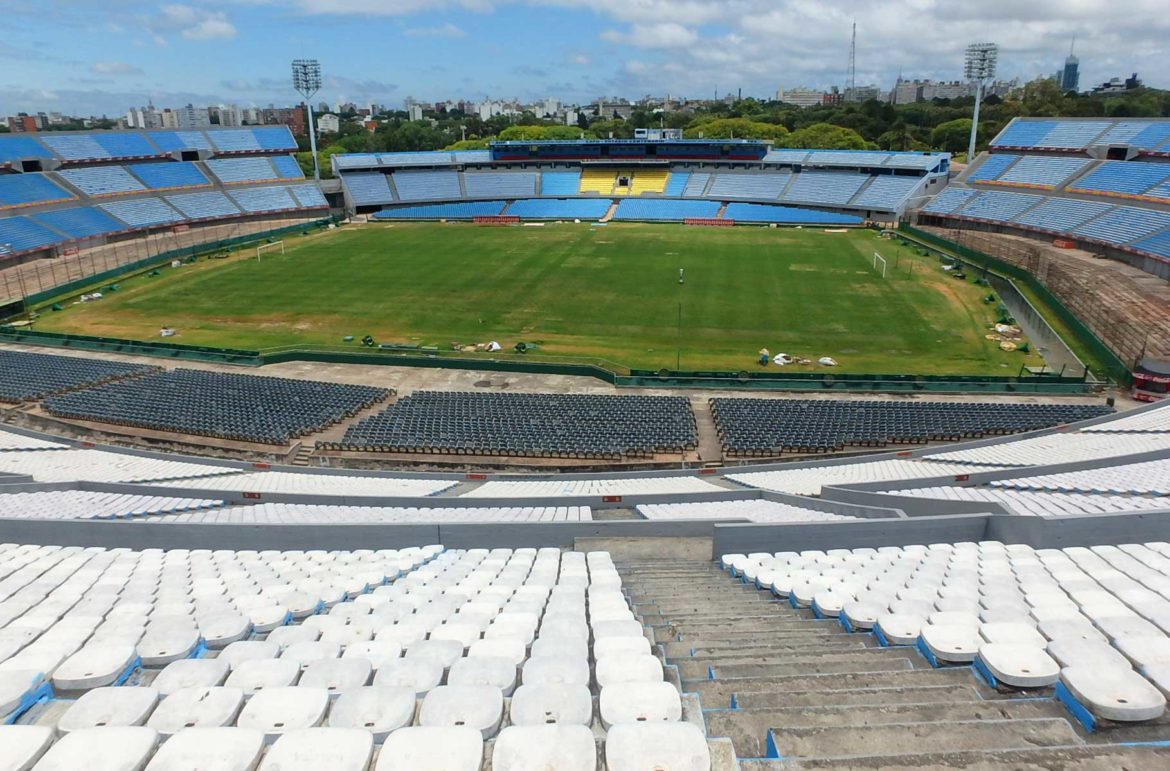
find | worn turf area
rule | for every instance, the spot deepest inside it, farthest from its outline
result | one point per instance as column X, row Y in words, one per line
column 590, row 293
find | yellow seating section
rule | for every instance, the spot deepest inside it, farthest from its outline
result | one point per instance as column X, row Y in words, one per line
column 649, row 181
column 600, row 181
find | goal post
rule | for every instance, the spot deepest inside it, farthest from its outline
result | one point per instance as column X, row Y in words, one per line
column 878, row 259
column 263, row 247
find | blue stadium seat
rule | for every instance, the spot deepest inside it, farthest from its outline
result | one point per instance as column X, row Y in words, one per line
column 27, row 189
column 503, row 184
column 824, row 187
column 368, row 188
column 1060, row 215
column 676, row 184
column 949, row 200
column 696, row 185
column 262, row 199
column 1042, row 171
column 852, row 158
column 414, row 159
column 18, row 147
column 355, row 160
column 1159, row 244
column 1124, row 224
column 169, row 175
column 287, row 167
column 560, row 182
column 237, row 170
column 142, row 212
column 101, row 180
column 999, row 206
column 786, row 156
column 75, row 147
column 1122, row 178
column 1023, row 133
column 308, row 196
column 274, row 138
column 202, row 206
column 664, row 209
column 234, row 140
column 126, row 145
column 992, row 167
column 448, row 211
column 170, row 141
column 427, row 185
column 560, row 208
column 472, row 156
column 887, row 193
column 766, row 186
column 1074, row 134
column 786, row 215
column 80, row 221
column 22, row 233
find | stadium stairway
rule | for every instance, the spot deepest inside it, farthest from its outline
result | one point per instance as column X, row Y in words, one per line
column 613, row 206
column 793, row 691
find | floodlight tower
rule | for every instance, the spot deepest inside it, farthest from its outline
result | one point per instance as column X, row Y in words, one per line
column 980, row 67
column 306, row 80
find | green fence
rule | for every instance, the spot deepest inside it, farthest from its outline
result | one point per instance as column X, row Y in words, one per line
column 1114, row 367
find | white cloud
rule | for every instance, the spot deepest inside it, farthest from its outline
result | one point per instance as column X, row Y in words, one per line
column 447, row 30
column 191, row 23
column 114, row 68
column 663, row 35
column 580, row 58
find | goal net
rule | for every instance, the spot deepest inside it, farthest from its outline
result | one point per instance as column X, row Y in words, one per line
column 268, row 247
column 879, row 260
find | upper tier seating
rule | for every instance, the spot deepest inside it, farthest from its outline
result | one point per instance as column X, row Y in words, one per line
column 98, row 466
column 1071, row 447
column 262, row 199
column 166, row 176
column 414, row 159
column 170, row 141
column 102, row 180
column 18, row 234
column 29, row 189
column 528, row 425
column 677, row 183
column 887, row 193
column 1051, row 133
column 565, row 183
column 270, row 138
column 568, row 488
column 78, row 504
column 495, row 185
column 242, row 407
column 559, row 208
column 752, row 427
column 750, row 511
column 308, row 196
column 759, row 186
column 1061, row 215
column 1037, row 504
column 236, row 170
column 100, row 146
column 142, row 212
column 15, row 148
column 1124, row 224
column 427, row 185
column 316, row 514
column 786, row 215
column 1159, row 244
column 443, row 211
column 25, row 376
column 598, row 181
column 950, row 200
column 210, row 205
column 310, row 483
column 1122, row 178
column 998, row 206
column 810, row 480
column 80, row 222
column 1150, row 477
column 649, row 181
column 696, row 184
column 665, row 209
column 234, row 140
column 824, row 187
column 1041, row 171
column 368, row 188
column 992, row 167
column 287, row 167
column 1145, row 135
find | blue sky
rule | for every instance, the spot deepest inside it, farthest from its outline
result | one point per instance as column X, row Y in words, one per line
column 102, row 56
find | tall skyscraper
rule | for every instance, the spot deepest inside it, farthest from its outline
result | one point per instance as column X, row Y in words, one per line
column 1070, row 76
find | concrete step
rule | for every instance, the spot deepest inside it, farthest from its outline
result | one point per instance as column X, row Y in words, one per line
column 687, row 650
column 813, row 666
column 863, row 697
column 748, row 728
column 938, row 736
column 1094, row 758
column 728, row 632
column 717, row 693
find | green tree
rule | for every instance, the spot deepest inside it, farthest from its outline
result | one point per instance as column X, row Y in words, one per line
column 952, row 136
column 735, row 128
column 825, row 136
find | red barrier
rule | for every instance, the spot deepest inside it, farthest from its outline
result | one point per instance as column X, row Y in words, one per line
column 497, row 219
column 711, row 222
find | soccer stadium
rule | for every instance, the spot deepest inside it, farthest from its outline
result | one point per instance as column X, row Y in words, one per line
column 662, row 453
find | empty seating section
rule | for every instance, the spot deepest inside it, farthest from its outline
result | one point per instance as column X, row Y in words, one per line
column 1042, row 171
column 998, row 206
column 992, row 167
column 75, row 147
column 142, row 212
column 1143, row 478
column 199, row 206
column 107, row 467
column 568, row 488
column 368, row 188
column 857, row 158
column 665, row 209
column 488, row 184
column 20, row 234
column 18, row 190
column 677, row 183
column 1069, row 447
column 1037, row 504
column 79, row 504
column 234, row 141
column 271, row 138
column 758, row 186
column 16, row 148
column 471, row 156
column 649, row 181
column 824, row 187
column 170, row 141
column 754, row 427
column 308, row 482
column 166, row 176
column 414, row 159
column 1124, row 224
column 786, row 156
column 126, row 145
column 696, row 185
column 786, row 215
column 287, row 167
column 887, row 193
column 316, row 514
column 1159, row 244
column 262, row 199
column 950, row 200
column 598, row 181
column 751, row 511
column 555, row 183
column 443, row 211
column 1122, row 178
column 27, row 376
column 355, row 160
column 1060, row 215
column 80, row 222
column 528, row 425
column 241, row 407
column 427, row 185
column 1145, row 135
column 562, row 208
column 102, row 180
column 1052, row 134
column 1074, row 135
column 308, row 196
column 238, row 170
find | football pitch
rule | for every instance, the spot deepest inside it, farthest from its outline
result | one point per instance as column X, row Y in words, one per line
column 578, row 293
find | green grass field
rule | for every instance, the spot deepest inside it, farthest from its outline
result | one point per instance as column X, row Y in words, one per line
column 586, row 293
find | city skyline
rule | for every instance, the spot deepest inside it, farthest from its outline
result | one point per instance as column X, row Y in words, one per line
column 569, row 49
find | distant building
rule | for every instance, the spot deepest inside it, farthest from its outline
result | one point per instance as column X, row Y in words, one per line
column 228, row 115
column 328, row 124
column 190, row 117
column 415, row 112
column 1070, row 76
column 1118, row 86
column 955, row 89
column 906, row 91
column 800, row 96
column 862, row 93
column 24, row 124
column 143, row 118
